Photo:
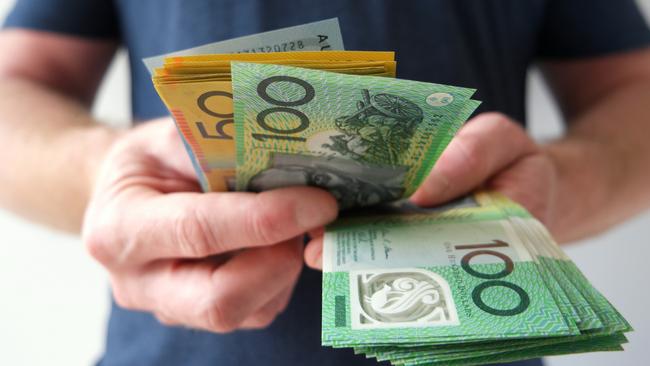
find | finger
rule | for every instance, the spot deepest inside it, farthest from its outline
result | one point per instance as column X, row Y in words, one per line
column 164, row 320
column 160, row 138
column 531, row 182
column 199, row 225
column 264, row 316
column 202, row 294
column 483, row 147
column 278, row 268
column 314, row 253
column 154, row 149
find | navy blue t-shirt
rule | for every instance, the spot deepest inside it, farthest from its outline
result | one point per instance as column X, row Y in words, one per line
column 483, row 44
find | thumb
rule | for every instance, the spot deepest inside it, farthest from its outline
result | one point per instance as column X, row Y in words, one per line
column 482, row 148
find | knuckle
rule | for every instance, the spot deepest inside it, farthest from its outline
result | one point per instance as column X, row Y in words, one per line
column 121, row 297
column 217, row 317
column 166, row 127
column 263, row 319
column 192, row 233
column 165, row 320
column 499, row 118
column 506, row 126
column 472, row 151
column 103, row 234
column 262, row 225
column 98, row 242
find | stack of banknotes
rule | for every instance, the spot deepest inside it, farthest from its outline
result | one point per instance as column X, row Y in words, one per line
column 199, row 92
column 476, row 282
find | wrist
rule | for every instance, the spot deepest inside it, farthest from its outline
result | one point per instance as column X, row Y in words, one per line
column 97, row 140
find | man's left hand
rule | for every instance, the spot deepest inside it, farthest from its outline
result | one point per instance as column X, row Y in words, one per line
column 493, row 152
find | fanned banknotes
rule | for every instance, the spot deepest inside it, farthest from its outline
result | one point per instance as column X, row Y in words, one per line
column 479, row 283
column 366, row 139
column 198, row 92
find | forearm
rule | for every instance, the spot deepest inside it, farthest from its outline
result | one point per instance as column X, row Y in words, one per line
column 603, row 164
column 51, row 148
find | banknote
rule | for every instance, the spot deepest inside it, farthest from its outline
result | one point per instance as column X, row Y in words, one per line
column 434, row 278
column 365, row 139
column 323, row 35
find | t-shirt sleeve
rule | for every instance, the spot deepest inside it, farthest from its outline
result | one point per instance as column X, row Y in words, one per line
column 588, row 28
column 85, row 18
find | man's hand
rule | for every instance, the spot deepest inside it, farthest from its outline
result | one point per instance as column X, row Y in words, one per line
column 592, row 178
column 494, row 152
column 215, row 261
column 490, row 151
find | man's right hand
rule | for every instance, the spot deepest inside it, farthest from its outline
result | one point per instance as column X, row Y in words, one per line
column 214, row 261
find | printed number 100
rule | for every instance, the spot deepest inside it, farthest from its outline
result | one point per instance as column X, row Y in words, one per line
column 283, row 107
column 495, row 279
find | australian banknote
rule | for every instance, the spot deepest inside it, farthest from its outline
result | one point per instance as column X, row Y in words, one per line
column 365, row 139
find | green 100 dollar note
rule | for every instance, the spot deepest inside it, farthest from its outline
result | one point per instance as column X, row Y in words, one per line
column 457, row 276
column 365, row 139
column 478, row 281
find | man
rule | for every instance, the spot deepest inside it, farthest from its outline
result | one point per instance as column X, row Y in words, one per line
column 163, row 243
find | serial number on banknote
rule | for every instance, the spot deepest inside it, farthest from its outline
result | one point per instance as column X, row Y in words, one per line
column 295, row 45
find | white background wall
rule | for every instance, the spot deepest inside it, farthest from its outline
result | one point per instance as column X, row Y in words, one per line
column 54, row 299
